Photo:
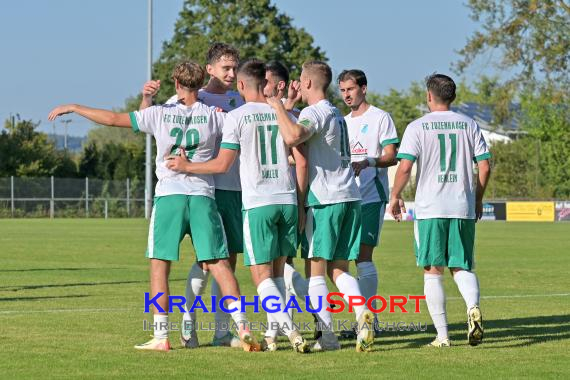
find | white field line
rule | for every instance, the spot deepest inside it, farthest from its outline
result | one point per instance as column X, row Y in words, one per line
column 121, row 310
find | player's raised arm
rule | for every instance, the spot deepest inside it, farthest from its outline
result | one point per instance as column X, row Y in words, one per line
column 221, row 164
column 149, row 91
column 293, row 133
column 104, row 117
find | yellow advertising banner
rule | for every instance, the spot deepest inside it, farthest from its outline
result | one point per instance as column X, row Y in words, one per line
column 530, row 211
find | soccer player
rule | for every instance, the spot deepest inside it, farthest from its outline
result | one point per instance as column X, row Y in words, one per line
column 269, row 194
column 277, row 77
column 332, row 228
column 445, row 144
column 373, row 143
column 222, row 60
column 183, row 203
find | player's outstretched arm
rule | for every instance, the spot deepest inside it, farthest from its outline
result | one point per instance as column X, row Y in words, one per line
column 149, row 91
column 397, row 206
column 104, row 117
column 482, row 180
column 220, row 164
column 293, row 133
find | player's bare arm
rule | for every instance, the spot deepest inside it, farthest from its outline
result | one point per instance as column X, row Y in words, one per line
column 387, row 159
column 403, row 174
column 293, row 133
column 149, row 91
column 482, row 180
column 302, row 170
column 104, row 117
column 220, row 164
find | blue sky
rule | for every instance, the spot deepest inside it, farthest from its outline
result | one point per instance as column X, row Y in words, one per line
column 94, row 52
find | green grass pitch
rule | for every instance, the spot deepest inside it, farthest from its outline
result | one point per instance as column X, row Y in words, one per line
column 71, row 305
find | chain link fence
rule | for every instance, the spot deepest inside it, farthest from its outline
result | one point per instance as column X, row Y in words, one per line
column 71, row 197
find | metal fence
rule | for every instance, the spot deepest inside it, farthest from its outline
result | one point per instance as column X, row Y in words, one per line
column 71, row 197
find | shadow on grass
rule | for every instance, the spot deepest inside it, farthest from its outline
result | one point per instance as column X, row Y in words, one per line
column 53, row 269
column 500, row 333
column 41, row 298
column 47, row 286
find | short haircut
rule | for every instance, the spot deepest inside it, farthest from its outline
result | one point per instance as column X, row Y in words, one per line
column 319, row 72
column 279, row 70
column 441, row 87
column 356, row 75
column 218, row 50
column 254, row 71
column 189, row 74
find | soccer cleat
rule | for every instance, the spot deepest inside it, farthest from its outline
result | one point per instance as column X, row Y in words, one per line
column 475, row 326
column 327, row 342
column 228, row 340
column 298, row 342
column 317, row 333
column 268, row 344
column 439, row 343
column 155, row 344
column 248, row 341
column 189, row 338
column 365, row 337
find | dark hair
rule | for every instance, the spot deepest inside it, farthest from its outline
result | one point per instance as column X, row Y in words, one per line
column 254, row 70
column 218, row 50
column 357, row 76
column 278, row 69
column 319, row 72
column 441, row 87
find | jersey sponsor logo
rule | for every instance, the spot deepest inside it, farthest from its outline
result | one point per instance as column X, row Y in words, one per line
column 358, row 149
column 364, row 128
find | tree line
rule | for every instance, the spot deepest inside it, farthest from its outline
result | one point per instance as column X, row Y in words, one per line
column 532, row 36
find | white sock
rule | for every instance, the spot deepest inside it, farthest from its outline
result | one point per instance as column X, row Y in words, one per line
column 239, row 318
column 161, row 326
column 296, row 282
column 367, row 280
column 468, row 287
column 222, row 319
column 268, row 288
column 195, row 286
column 272, row 328
column 318, row 290
column 349, row 286
column 435, row 300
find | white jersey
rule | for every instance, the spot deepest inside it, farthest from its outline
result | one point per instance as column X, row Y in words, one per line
column 176, row 126
column 264, row 168
column 227, row 102
column 444, row 144
column 369, row 133
column 331, row 179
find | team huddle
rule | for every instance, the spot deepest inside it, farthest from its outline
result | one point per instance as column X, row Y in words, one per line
column 247, row 172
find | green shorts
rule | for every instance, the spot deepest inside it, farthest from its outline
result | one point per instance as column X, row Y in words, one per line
column 229, row 207
column 372, row 221
column 173, row 216
column 269, row 232
column 445, row 242
column 332, row 232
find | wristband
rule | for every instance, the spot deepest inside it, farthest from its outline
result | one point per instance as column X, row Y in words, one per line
column 371, row 162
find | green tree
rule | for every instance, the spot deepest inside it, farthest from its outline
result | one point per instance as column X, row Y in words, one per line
column 255, row 27
column 26, row 152
column 533, row 37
